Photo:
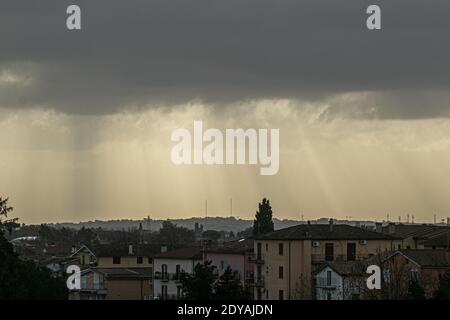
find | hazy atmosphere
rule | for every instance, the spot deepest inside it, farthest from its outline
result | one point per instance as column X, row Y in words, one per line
column 87, row 116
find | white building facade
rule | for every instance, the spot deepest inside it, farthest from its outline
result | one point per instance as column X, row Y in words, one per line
column 167, row 270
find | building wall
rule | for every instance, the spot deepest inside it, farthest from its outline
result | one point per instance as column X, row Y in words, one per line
column 333, row 292
column 128, row 289
column 401, row 268
column 297, row 266
column 340, row 249
column 125, row 262
column 222, row 260
column 186, row 265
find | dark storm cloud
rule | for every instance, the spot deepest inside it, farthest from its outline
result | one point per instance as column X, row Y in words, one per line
column 169, row 51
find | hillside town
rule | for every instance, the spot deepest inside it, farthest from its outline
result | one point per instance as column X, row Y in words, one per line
column 306, row 261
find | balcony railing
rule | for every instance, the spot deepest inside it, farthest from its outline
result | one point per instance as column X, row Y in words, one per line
column 167, row 276
column 327, row 283
column 258, row 259
column 260, row 282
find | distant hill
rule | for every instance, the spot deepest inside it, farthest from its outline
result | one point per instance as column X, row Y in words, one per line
column 210, row 223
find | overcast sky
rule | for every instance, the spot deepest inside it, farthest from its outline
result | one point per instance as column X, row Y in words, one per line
column 86, row 116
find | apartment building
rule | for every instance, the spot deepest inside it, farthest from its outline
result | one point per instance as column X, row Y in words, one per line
column 114, row 272
column 340, row 280
column 425, row 266
column 286, row 259
column 167, row 269
column 115, row 284
column 236, row 255
column 417, row 236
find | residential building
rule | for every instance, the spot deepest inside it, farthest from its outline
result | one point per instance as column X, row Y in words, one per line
column 115, row 284
column 417, row 236
column 286, row 259
column 115, row 272
column 167, row 269
column 236, row 255
column 425, row 266
column 343, row 280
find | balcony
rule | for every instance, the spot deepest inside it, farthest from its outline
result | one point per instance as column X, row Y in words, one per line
column 260, row 283
column 256, row 259
column 165, row 277
column 326, row 283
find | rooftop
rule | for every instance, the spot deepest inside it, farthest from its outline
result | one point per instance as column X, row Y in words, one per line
column 233, row 247
column 345, row 267
column 414, row 230
column 124, row 272
column 189, row 253
column 426, row 258
column 324, row 232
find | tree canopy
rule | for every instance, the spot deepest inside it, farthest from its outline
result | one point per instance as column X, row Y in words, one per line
column 263, row 219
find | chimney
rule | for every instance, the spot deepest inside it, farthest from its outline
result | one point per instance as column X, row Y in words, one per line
column 331, row 225
column 379, row 227
column 130, row 249
column 391, row 228
column 163, row 249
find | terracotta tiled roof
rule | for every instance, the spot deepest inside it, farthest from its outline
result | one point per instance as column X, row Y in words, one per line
column 325, row 232
column 110, row 250
column 124, row 272
column 427, row 258
column 184, row 253
column 345, row 267
column 233, row 247
column 418, row 231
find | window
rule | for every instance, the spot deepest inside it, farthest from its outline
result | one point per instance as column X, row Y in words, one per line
column 177, row 271
column 164, row 271
column 351, row 251
column 280, row 249
column 414, row 276
column 116, row 260
column 280, row 295
column 280, row 272
column 329, row 252
column 386, row 275
column 328, row 278
column 258, row 251
column 267, row 247
column 140, row 260
column 164, row 292
column 222, row 265
column 399, row 246
column 328, row 295
column 267, row 294
column 179, row 292
column 150, row 260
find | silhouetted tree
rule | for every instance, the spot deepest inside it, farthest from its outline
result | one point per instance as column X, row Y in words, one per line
column 173, row 236
column 443, row 291
column 211, row 235
column 415, row 290
column 199, row 285
column 21, row 279
column 229, row 287
column 263, row 219
column 8, row 224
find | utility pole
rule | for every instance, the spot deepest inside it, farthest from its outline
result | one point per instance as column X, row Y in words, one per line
column 206, row 208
